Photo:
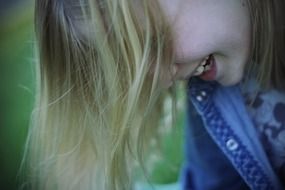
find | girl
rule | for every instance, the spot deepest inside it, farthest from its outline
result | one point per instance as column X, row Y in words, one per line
column 104, row 65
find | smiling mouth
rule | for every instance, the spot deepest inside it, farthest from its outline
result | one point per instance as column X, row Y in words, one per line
column 204, row 66
column 206, row 70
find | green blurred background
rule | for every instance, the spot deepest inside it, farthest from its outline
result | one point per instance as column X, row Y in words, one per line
column 17, row 82
column 16, row 85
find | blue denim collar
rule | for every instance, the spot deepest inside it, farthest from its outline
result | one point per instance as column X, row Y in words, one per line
column 223, row 112
column 201, row 92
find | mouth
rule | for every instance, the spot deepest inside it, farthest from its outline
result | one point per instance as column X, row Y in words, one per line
column 207, row 68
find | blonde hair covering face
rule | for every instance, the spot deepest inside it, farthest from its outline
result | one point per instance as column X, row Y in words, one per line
column 98, row 99
column 98, row 102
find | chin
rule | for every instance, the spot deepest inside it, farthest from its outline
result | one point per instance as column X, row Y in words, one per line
column 230, row 80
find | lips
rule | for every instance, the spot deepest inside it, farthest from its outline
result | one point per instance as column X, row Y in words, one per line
column 207, row 70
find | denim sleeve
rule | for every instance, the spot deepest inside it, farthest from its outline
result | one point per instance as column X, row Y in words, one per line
column 206, row 167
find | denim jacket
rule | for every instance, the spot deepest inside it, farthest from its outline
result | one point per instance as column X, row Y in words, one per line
column 223, row 150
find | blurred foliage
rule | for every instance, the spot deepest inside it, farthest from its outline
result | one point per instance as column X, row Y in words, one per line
column 168, row 161
column 16, row 89
column 166, row 169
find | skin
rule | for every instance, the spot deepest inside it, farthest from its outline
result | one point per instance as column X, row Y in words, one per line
column 204, row 27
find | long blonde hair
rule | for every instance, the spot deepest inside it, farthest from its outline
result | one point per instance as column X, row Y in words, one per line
column 268, row 45
column 98, row 100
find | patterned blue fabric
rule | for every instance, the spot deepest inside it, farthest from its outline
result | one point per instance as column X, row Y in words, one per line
column 242, row 162
column 206, row 167
column 267, row 109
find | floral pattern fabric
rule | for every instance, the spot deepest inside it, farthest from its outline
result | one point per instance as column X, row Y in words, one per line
column 267, row 110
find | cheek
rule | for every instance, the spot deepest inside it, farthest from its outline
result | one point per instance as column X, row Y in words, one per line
column 220, row 30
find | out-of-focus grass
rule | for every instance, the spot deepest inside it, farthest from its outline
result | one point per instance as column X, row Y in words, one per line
column 17, row 82
column 167, row 169
column 167, row 162
column 16, row 90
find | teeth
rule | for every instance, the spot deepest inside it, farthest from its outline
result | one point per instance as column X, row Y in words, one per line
column 203, row 67
column 205, row 60
column 207, row 57
column 208, row 67
column 199, row 70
